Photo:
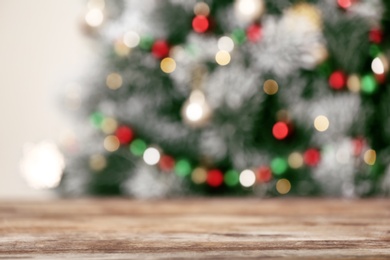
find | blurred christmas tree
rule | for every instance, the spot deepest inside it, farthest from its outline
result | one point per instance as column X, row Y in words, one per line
column 234, row 97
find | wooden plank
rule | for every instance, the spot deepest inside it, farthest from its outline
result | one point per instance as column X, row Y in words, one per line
column 195, row 228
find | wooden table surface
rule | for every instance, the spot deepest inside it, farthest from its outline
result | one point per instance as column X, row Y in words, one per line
column 195, row 228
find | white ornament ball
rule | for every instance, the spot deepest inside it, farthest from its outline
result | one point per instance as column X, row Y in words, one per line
column 249, row 10
column 196, row 112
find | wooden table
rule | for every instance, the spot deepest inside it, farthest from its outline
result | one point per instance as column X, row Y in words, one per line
column 195, row 228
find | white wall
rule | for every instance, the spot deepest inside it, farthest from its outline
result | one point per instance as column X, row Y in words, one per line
column 41, row 49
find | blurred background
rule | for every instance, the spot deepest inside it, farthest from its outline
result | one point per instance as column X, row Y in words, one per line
column 42, row 49
column 195, row 97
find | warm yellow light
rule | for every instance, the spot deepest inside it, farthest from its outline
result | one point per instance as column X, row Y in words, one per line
column 168, row 65
column 94, row 17
column 247, row 178
column 151, row 156
column 321, row 123
column 353, row 83
column 131, row 39
column 270, row 87
column 199, row 175
column 283, row 186
column 222, row 58
column 109, row 125
column 370, row 157
column 295, row 160
column 114, row 81
column 201, row 8
column 225, row 43
column 111, row 143
column 97, row 162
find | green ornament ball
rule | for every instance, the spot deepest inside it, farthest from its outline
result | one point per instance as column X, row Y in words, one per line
column 231, row 178
column 279, row 166
column 368, row 84
column 183, row 168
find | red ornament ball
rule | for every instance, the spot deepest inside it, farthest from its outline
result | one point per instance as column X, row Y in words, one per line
column 344, row 3
column 160, row 49
column 358, row 145
column 124, row 134
column 312, row 157
column 380, row 78
column 200, row 24
column 337, row 80
column 264, row 174
column 214, row 178
column 376, row 35
column 254, row 33
column 166, row 163
column 280, row 130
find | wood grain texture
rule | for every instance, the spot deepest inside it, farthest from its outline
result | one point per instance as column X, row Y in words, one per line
column 195, row 228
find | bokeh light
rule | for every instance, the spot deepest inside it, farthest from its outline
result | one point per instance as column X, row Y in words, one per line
column 166, row 163
column 111, row 143
column 138, row 147
column 160, row 48
column 344, row 3
column 279, row 166
column 183, row 167
column 254, row 33
column 124, row 134
column 42, row 165
column 222, row 58
column 109, row 125
column 353, row 83
column 121, row 49
column 264, row 174
column 249, row 10
column 201, row 8
column 231, row 178
column 168, row 65
column 312, row 157
column 377, row 66
column 97, row 162
column 225, row 43
column 194, row 111
column 114, row 81
column 368, row 84
column 280, row 130
column 214, row 178
column 247, row 178
column 337, row 80
column 270, row 87
column 151, row 156
column 321, row 123
column 370, row 157
column 295, row 160
column 199, row 175
column 283, row 186
column 131, row 39
column 94, row 17
column 200, row 24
